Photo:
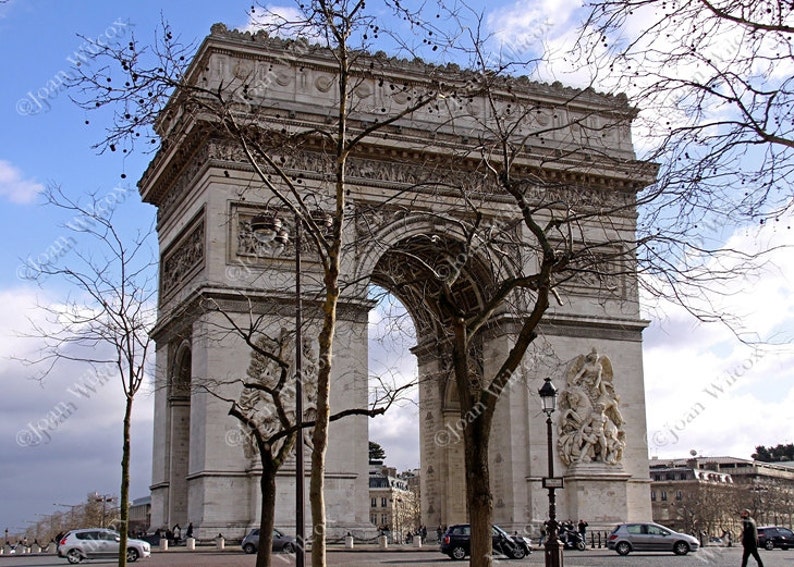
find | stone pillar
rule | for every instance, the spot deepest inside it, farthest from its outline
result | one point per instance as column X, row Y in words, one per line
column 190, row 543
column 163, row 544
column 349, row 541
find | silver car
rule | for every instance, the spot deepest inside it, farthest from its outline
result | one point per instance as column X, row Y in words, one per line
column 649, row 536
column 96, row 543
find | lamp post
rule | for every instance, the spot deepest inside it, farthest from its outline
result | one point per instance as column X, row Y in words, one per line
column 104, row 498
column 398, row 524
column 72, row 523
column 269, row 228
column 553, row 547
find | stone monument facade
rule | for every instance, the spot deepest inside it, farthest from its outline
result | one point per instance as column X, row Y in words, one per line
column 207, row 196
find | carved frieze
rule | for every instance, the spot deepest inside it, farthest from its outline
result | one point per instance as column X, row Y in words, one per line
column 183, row 259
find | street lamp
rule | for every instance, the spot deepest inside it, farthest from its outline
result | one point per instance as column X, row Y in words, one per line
column 102, row 498
column 269, row 229
column 72, row 523
column 398, row 525
column 553, row 547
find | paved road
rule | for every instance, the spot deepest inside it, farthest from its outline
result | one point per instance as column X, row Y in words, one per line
column 709, row 557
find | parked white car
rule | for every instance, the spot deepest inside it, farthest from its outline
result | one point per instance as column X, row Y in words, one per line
column 99, row 543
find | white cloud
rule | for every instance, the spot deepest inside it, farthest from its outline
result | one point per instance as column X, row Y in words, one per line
column 59, row 444
column 284, row 21
column 705, row 390
column 16, row 189
column 528, row 30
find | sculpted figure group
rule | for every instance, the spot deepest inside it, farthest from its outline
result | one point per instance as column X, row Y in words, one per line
column 591, row 426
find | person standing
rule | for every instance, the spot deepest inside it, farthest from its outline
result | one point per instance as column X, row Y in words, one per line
column 749, row 539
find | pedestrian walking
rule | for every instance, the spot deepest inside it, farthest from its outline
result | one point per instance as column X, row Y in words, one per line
column 750, row 539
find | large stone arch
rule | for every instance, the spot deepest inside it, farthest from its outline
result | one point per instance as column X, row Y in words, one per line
column 399, row 214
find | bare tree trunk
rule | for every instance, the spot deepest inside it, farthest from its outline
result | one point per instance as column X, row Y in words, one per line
column 320, row 434
column 478, row 493
column 267, row 485
column 125, row 483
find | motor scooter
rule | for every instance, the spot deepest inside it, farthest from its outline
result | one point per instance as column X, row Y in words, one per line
column 572, row 539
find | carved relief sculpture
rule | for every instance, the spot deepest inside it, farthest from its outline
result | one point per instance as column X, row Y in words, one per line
column 258, row 404
column 591, row 425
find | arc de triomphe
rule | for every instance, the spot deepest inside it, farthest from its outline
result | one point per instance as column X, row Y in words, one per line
column 206, row 198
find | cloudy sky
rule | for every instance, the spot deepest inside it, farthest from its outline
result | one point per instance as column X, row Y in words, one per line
column 706, row 391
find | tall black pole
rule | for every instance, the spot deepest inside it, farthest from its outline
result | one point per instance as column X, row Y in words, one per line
column 553, row 548
column 300, row 536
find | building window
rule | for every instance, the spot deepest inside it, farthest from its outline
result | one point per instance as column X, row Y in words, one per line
column 653, row 496
column 373, row 503
column 679, row 495
column 383, row 502
column 664, row 496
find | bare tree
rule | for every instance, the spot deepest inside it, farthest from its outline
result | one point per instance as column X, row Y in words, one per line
column 266, row 406
column 106, row 323
column 713, row 84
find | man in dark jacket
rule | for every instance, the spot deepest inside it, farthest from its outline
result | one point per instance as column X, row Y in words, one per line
column 749, row 539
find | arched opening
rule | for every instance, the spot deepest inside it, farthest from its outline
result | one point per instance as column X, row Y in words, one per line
column 179, row 419
column 395, row 495
column 411, row 271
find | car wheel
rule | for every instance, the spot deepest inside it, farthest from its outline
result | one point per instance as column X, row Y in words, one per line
column 288, row 548
column 518, row 552
column 132, row 555
column 580, row 545
column 769, row 545
column 623, row 548
column 74, row 557
column 249, row 548
column 458, row 553
column 681, row 548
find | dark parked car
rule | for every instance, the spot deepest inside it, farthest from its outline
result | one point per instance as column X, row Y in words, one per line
column 281, row 542
column 456, row 542
column 649, row 536
column 770, row 537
